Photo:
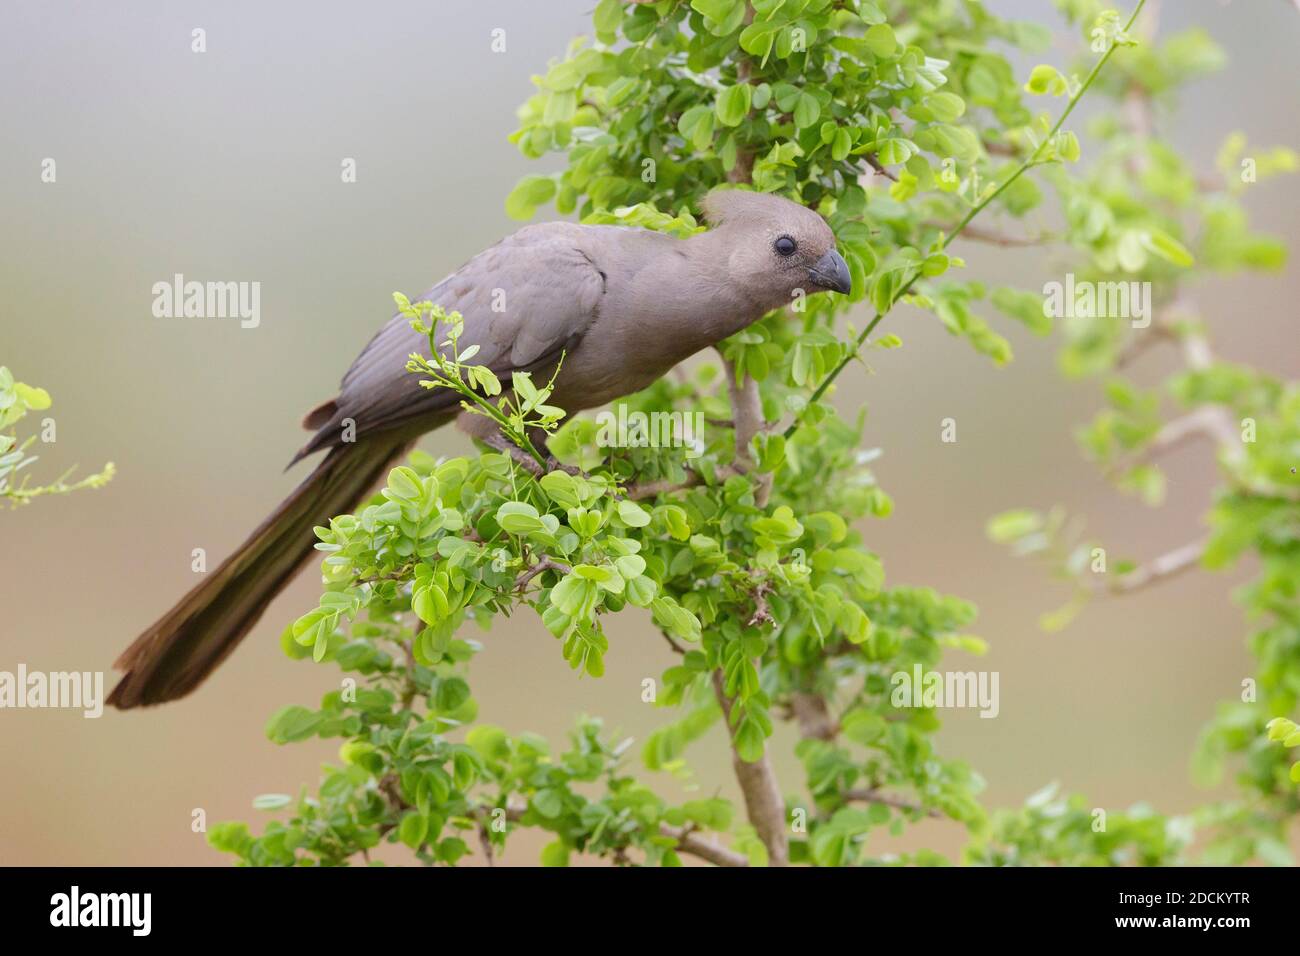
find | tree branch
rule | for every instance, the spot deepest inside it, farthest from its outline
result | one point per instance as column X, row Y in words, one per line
column 546, row 564
column 747, row 416
column 873, row 795
column 1157, row 569
column 989, row 236
column 688, row 841
column 1137, row 346
column 1030, row 161
column 875, row 164
column 764, row 805
column 813, row 716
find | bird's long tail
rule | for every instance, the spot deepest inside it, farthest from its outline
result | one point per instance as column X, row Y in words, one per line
column 177, row 654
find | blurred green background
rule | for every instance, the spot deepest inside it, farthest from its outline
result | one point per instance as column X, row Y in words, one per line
column 226, row 166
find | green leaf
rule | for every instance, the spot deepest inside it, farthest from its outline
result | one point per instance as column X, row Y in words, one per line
column 561, row 488
column 608, row 16
column 549, row 802
column 841, row 144
column 749, row 740
column 696, row 126
column 880, row 40
column 452, row 694
column 1046, row 80
column 721, row 17
column 806, row 110
column 945, row 106
column 733, row 104
column 1167, row 248
column 413, row 828
column 1025, row 307
column 405, row 484
column 632, row 514
column 555, row 854
column 572, row 594
column 530, row 193
column 519, row 517
column 1012, row 525
column 292, row 723
column 862, row 726
column 641, row 591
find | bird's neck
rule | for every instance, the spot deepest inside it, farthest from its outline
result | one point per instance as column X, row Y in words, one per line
column 724, row 306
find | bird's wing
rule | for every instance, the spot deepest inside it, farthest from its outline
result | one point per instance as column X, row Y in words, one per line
column 525, row 301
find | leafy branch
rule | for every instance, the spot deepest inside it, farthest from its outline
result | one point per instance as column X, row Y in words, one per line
column 1050, row 149
column 16, row 400
column 515, row 415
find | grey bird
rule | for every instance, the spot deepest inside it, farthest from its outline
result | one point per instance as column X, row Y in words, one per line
column 621, row 305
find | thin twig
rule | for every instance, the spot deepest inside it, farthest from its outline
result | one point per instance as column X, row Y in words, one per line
column 898, row 803
column 546, row 564
column 875, row 164
column 1157, row 569
column 688, row 841
column 976, row 234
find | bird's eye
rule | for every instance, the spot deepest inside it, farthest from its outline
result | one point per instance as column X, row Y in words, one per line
column 786, row 246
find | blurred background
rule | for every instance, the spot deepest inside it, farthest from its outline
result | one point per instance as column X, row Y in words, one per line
column 226, row 166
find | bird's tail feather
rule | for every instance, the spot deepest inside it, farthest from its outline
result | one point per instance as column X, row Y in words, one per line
column 187, row 644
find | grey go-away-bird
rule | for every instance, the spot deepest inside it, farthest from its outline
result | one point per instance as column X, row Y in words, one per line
column 621, row 305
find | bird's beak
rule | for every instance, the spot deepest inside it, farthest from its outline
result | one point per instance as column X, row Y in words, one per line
column 832, row 272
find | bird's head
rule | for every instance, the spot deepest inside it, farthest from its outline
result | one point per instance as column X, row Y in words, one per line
column 778, row 247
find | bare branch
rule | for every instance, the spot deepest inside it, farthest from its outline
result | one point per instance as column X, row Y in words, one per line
column 677, row 648
column 1159, row 331
column 663, row 486
column 873, row 795
column 746, row 411
column 814, row 717
column 688, row 841
column 988, row 236
column 1203, row 422
column 1197, row 354
column 874, row 163
column 546, row 564
column 1002, row 149
column 1157, row 569
column 747, row 414
column 762, row 613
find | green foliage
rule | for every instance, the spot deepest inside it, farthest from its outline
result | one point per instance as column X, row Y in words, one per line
column 1288, row 733
column 1146, row 213
column 1057, row 830
column 16, row 400
column 515, row 415
column 899, row 123
column 798, row 99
